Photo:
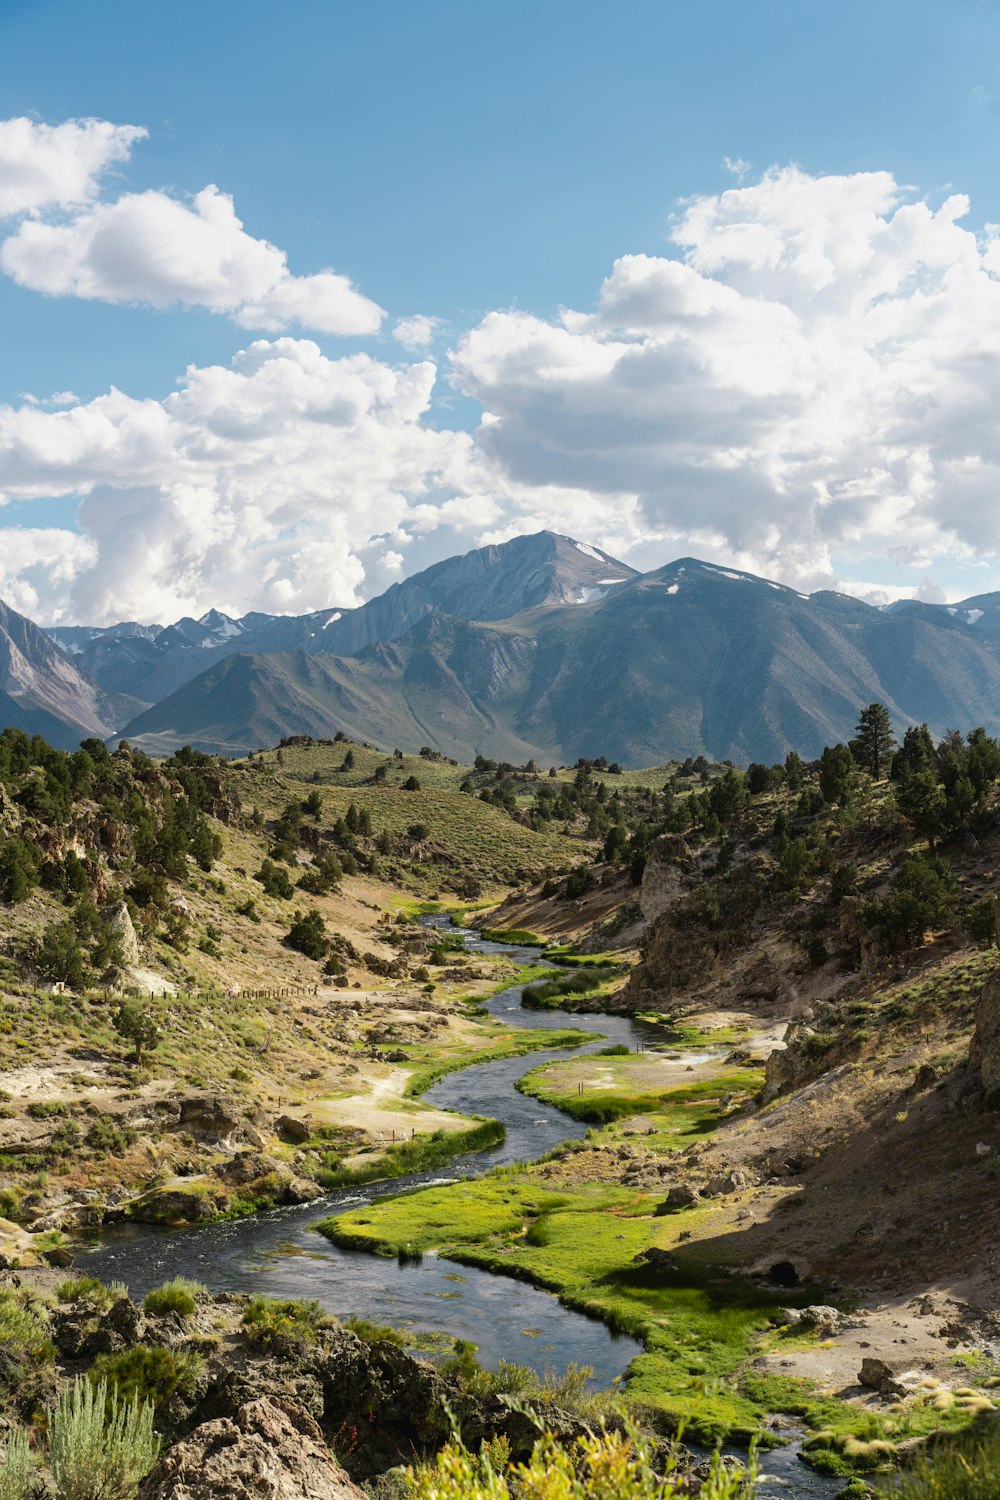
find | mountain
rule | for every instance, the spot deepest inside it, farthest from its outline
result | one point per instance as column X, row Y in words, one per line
column 689, row 659
column 43, row 691
column 491, row 583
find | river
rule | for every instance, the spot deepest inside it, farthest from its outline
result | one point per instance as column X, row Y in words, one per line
column 280, row 1254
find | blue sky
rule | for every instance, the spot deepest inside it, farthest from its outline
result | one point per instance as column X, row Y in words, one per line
column 458, row 160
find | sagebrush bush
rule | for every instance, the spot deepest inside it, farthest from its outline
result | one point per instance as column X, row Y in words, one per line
column 99, row 1448
column 15, row 1467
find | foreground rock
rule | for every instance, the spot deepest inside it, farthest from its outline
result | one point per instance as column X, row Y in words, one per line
column 270, row 1450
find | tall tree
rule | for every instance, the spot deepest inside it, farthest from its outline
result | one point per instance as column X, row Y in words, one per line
column 874, row 740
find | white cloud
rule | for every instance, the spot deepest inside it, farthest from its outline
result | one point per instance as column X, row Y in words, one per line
column 816, row 378
column 808, row 381
column 153, row 249
column 253, row 485
column 57, row 166
column 417, row 332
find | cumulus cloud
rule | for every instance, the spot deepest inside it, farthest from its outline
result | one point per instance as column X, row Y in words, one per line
column 417, row 332
column 253, row 485
column 58, row 166
column 813, row 374
column 807, row 381
column 150, row 248
column 154, row 249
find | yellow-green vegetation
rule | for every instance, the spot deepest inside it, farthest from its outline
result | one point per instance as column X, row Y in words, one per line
column 607, row 1086
column 611, row 1466
column 491, row 1042
column 846, row 1439
column 964, row 1470
column 420, row 1154
column 176, row 1296
column 698, row 1324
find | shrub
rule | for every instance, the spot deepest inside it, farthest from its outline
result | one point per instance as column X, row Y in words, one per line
column 24, row 1326
column 274, row 880
column 612, row 1465
column 144, row 1374
column 176, row 1296
column 16, row 1467
column 307, row 934
column 137, row 1025
column 99, row 1449
column 271, row 1322
column 76, row 1288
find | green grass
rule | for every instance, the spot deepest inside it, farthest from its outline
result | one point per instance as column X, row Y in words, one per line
column 516, row 935
column 697, row 1326
column 513, row 1044
column 692, row 1106
column 418, row 1155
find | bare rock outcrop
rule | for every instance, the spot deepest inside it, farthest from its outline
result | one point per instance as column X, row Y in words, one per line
column 271, row 1450
column 119, row 925
column 663, row 882
column 984, row 1050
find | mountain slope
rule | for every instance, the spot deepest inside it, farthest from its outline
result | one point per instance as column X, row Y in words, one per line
column 491, row 583
column 44, row 691
column 690, row 659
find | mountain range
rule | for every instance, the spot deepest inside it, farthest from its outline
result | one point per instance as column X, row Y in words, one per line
column 541, row 647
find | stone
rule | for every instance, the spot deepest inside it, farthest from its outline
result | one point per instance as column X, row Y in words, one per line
column 660, row 1260
column 301, row 1190
column 825, row 1320
column 790, row 1065
column 172, row 1205
column 291, row 1129
column 984, row 1049
column 212, row 1116
column 874, row 1374
column 663, row 875
column 272, row 1450
column 722, row 1183
column 244, row 1167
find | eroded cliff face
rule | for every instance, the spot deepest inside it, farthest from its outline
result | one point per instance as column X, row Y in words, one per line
column 701, row 937
column 984, row 1049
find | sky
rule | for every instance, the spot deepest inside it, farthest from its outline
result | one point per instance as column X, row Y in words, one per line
column 295, row 301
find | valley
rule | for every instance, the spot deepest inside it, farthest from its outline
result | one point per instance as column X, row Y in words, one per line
column 688, row 1051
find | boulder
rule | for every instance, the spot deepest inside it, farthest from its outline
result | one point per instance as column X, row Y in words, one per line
column 984, row 1049
column 212, row 1116
column 790, row 1065
column 681, row 1195
column 291, row 1129
column 177, row 1204
column 874, row 1374
column 272, row 1450
column 663, row 875
column 301, row 1190
column 246, row 1166
column 723, row 1183
column 825, row 1320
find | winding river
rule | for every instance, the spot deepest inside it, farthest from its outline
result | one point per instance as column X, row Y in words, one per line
column 279, row 1253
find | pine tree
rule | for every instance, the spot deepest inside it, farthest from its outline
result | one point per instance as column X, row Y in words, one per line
column 874, row 740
